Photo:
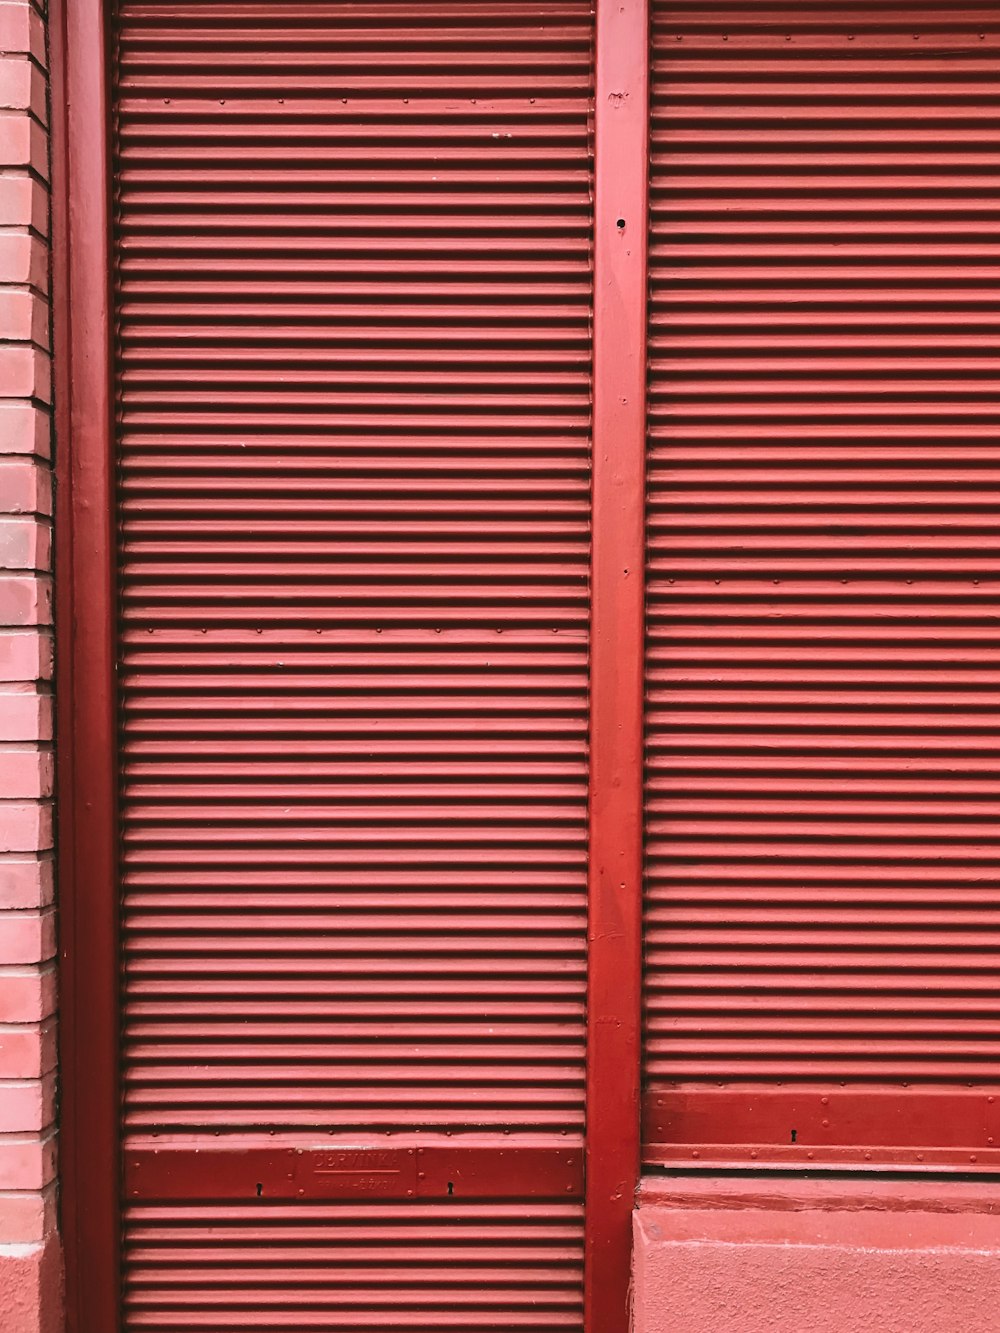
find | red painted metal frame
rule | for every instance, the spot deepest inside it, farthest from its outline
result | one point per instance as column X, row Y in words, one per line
column 85, row 667
column 617, row 591
column 86, row 690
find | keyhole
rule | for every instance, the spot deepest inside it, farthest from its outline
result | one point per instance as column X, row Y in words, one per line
column 795, row 1135
column 260, row 1189
column 451, row 1187
column 620, row 224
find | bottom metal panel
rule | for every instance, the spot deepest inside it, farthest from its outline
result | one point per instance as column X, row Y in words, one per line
column 939, row 1129
column 354, row 1267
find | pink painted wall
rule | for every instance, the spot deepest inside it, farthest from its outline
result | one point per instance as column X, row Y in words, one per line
column 809, row 1257
column 30, row 1266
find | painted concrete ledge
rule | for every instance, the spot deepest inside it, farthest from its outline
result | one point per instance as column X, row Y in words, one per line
column 815, row 1256
column 31, row 1287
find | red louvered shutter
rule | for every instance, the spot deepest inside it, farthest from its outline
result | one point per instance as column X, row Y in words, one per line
column 821, row 916
column 353, row 296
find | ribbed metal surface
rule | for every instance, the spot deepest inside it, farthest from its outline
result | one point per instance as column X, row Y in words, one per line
column 822, row 676
column 353, row 297
column 295, row 1268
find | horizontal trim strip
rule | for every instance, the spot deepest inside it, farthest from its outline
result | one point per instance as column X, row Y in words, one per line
column 349, row 1171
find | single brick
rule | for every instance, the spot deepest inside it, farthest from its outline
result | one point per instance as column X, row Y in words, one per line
column 25, row 372
column 25, row 826
column 27, row 1217
column 25, row 600
column 24, row 257
column 27, row 1050
column 15, row 82
column 25, row 774
column 25, row 486
column 25, row 655
column 25, row 543
column 25, row 714
column 26, row 881
column 24, row 317
column 24, row 202
column 21, row 30
column 27, row 994
column 27, row 1104
column 22, row 87
column 27, row 1161
column 27, row 937
column 24, row 143
column 24, row 429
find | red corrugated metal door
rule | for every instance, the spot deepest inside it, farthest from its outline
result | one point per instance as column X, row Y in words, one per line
column 821, row 915
column 353, row 298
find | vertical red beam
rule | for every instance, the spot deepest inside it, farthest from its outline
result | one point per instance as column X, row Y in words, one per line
column 86, row 703
column 613, row 1053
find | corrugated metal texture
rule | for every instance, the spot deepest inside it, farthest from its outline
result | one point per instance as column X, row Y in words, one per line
column 353, row 298
column 355, row 1268
column 822, row 669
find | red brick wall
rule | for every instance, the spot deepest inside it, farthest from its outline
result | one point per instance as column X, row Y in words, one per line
column 30, row 1284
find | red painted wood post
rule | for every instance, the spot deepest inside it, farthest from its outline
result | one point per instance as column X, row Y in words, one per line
column 85, row 682
column 615, row 875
